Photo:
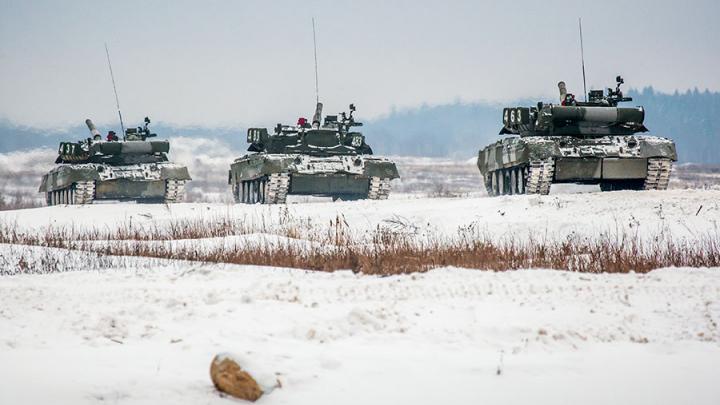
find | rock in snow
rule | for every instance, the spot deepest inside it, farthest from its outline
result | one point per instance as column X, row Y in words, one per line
column 229, row 377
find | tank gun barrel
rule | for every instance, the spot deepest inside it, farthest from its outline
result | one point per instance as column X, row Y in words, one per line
column 317, row 117
column 93, row 131
column 600, row 115
column 563, row 91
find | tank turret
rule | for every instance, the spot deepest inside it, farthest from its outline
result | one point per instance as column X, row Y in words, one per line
column 599, row 116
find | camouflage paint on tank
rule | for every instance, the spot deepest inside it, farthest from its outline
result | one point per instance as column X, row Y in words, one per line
column 317, row 158
column 585, row 142
column 129, row 169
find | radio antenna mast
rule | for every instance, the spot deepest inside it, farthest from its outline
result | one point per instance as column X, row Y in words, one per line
column 582, row 59
column 317, row 91
column 117, row 101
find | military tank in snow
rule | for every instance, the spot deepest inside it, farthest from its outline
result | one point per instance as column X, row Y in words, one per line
column 310, row 158
column 133, row 168
column 592, row 142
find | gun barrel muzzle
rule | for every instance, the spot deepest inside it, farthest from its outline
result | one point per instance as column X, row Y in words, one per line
column 91, row 127
column 317, row 117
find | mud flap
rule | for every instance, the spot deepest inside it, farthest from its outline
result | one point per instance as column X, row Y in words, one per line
column 328, row 184
column 123, row 189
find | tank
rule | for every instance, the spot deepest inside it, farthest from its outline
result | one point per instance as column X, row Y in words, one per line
column 591, row 142
column 131, row 169
column 328, row 158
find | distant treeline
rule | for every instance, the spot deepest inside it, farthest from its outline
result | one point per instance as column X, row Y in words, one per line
column 458, row 130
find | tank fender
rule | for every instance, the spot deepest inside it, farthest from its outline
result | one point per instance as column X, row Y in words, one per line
column 65, row 176
column 651, row 146
column 254, row 166
column 175, row 173
column 381, row 168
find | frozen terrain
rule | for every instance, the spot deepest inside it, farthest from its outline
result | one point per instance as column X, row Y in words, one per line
column 681, row 213
column 146, row 335
column 143, row 331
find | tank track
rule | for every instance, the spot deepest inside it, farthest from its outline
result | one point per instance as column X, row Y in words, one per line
column 80, row 193
column 540, row 176
column 272, row 189
column 174, row 191
column 276, row 188
column 379, row 188
column 658, row 175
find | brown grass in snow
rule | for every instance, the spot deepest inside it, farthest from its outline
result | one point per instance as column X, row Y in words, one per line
column 287, row 242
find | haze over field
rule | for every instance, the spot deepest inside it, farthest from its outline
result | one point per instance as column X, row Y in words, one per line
column 229, row 63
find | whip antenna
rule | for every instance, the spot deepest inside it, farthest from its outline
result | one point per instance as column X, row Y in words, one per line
column 117, row 101
column 317, row 91
column 582, row 58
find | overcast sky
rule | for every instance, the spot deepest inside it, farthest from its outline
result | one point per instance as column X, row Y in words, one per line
column 224, row 63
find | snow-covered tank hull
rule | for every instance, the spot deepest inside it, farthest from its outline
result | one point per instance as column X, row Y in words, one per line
column 85, row 183
column 520, row 165
column 269, row 178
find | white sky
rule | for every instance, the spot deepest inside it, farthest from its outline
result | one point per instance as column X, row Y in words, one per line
column 225, row 63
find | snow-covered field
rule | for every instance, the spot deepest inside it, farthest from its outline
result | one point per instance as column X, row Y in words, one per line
column 143, row 331
column 682, row 213
column 147, row 335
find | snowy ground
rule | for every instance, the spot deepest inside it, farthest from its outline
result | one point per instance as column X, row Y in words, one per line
column 680, row 213
column 143, row 331
column 147, row 335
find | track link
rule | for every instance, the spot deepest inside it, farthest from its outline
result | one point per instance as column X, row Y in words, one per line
column 174, row 191
column 540, row 176
column 379, row 188
column 276, row 188
column 658, row 175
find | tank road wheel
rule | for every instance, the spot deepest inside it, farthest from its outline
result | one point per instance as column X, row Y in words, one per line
column 244, row 195
column 272, row 189
column 513, row 181
column 501, row 182
column 489, row 184
column 494, row 183
column 82, row 192
column 379, row 188
column 520, row 180
column 236, row 192
column 258, row 192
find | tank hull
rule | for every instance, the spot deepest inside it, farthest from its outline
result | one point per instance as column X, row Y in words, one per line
column 614, row 162
column 84, row 183
column 344, row 176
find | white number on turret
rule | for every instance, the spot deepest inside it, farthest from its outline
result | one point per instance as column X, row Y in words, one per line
column 356, row 141
column 68, row 149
